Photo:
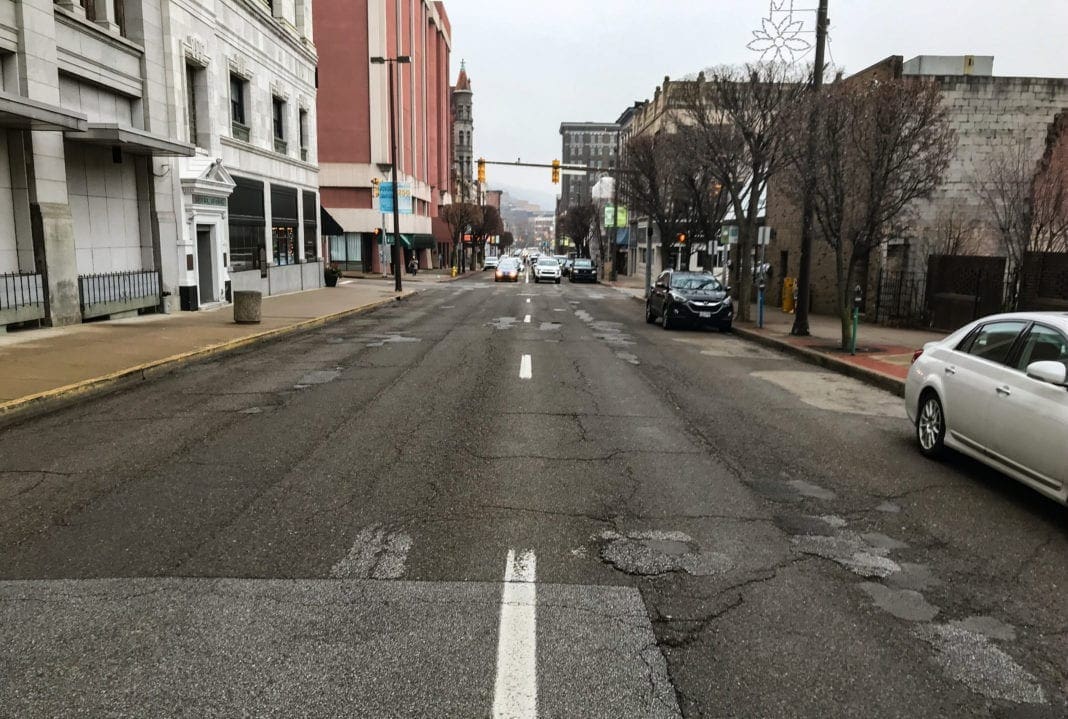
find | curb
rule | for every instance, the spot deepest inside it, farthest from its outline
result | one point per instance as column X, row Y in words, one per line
column 876, row 379
column 36, row 404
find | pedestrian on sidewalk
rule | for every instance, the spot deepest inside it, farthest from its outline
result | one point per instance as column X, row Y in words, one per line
column 413, row 265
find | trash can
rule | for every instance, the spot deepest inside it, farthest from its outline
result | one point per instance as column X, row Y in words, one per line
column 247, row 306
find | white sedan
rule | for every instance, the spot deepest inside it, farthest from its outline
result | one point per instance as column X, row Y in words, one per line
column 997, row 390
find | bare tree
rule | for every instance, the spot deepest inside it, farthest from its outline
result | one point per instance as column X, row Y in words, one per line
column 490, row 224
column 880, row 147
column 652, row 187
column 579, row 223
column 461, row 218
column 705, row 202
column 744, row 114
column 955, row 233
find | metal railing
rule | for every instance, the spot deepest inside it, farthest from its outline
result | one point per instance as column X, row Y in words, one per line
column 280, row 145
column 239, row 131
column 21, row 289
column 901, row 298
column 112, row 292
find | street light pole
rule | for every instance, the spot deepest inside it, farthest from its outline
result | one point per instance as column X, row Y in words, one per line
column 396, row 253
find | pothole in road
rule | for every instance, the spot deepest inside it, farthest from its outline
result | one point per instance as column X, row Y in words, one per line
column 628, row 357
column 904, row 604
column 851, row 551
column 502, row 323
column 548, row 326
column 381, row 340
column 649, row 553
column 319, row 376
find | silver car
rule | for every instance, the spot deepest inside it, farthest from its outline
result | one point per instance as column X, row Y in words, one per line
column 997, row 390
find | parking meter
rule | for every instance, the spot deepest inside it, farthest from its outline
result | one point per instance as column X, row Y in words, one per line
column 858, row 297
column 760, row 300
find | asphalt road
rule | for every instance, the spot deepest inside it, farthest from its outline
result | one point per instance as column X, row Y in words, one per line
column 516, row 500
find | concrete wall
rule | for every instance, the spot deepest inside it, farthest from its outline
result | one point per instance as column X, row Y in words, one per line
column 9, row 255
column 104, row 205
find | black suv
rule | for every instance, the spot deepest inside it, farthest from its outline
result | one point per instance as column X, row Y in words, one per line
column 697, row 298
column 583, row 270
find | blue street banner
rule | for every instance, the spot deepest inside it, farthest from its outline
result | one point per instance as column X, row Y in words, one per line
column 385, row 198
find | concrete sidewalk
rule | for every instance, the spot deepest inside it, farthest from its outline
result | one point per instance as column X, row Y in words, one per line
column 883, row 353
column 46, row 367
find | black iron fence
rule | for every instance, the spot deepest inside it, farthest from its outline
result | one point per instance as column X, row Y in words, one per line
column 113, row 292
column 901, row 298
column 21, row 289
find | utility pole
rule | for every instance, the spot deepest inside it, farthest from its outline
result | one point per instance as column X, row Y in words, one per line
column 391, row 63
column 614, row 250
column 804, row 271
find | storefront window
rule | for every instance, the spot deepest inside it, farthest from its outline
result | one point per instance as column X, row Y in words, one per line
column 285, row 244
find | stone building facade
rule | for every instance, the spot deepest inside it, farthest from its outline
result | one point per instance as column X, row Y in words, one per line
column 121, row 157
column 87, row 130
column 241, row 76
column 989, row 114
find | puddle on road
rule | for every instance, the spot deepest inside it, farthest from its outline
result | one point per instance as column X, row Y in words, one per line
column 653, row 552
column 904, row 604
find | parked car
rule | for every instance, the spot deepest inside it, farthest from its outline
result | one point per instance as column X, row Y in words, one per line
column 547, row 268
column 997, row 390
column 695, row 298
column 583, row 270
column 507, row 270
column 490, row 263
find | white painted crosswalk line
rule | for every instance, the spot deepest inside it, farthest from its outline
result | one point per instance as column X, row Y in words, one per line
column 525, row 369
column 515, row 693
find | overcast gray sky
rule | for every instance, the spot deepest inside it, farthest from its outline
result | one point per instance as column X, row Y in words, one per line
column 534, row 64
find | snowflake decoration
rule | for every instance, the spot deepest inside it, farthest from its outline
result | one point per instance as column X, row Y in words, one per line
column 778, row 39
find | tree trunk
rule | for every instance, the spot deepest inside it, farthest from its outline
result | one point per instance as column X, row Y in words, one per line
column 842, row 289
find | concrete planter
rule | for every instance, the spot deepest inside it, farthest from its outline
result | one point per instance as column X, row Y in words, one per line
column 247, row 306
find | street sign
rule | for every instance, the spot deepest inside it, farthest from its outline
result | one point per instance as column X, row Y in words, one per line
column 728, row 235
column 620, row 219
column 385, row 199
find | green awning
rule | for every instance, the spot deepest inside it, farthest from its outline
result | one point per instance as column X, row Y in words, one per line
column 425, row 242
column 406, row 240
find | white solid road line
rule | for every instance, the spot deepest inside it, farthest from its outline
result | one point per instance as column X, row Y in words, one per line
column 515, row 693
column 526, row 319
column 525, row 368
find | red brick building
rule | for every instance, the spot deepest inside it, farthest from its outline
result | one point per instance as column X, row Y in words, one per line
column 353, row 122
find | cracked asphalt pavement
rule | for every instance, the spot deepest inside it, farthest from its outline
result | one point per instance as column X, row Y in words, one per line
column 328, row 526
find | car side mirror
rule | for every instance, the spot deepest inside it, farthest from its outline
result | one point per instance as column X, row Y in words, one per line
column 1051, row 372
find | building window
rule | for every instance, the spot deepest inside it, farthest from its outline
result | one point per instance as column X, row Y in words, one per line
column 278, row 113
column 311, row 225
column 193, row 101
column 284, row 224
column 304, row 135
column 247, row 225
column 238, row 120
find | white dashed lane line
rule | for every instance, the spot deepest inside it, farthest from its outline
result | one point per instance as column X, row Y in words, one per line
column 526, row 320
column 515, row 693
column 525, row 369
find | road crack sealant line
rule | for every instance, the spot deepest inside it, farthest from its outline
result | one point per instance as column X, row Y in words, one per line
column 41, row 402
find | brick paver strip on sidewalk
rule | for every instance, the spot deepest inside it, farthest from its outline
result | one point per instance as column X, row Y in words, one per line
column 47, row 367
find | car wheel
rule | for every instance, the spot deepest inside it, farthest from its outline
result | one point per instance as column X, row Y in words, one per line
column 665, row 319
column 931, row 426
column 557, row 280
column 649, row 316
column 727, row 327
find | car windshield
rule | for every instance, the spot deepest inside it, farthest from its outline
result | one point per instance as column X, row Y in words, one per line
column 506, row 264
column 583, row 263
column 548, row 262
column 695, row 282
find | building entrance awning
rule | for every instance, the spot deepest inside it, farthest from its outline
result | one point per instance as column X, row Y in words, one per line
column 423, row 242
column 22, row 113
column 328, row 225
column 132, row 140
column 406, row 240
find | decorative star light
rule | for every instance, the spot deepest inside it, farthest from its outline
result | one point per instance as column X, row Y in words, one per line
column 778, row 39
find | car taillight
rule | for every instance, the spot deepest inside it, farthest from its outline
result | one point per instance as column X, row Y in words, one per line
column 916, row 355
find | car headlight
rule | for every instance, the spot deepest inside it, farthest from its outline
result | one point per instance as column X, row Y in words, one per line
column 727, row 301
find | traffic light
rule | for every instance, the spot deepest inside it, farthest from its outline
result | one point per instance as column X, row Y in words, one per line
column 481, row 170
column 375, row 189
column 681, row 238
column 556, row 172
